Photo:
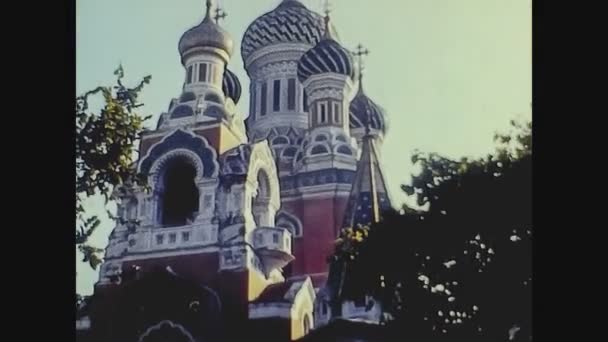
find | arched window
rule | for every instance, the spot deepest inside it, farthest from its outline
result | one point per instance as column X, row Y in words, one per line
column 187, row 96
column 289, row 152
column 215, row 112
column 213, row 98
column 182, row 111
column 345, row 150
column 306, row 324
column 280, row 140
column 319, row 149
column 261, row 200
column 341, row 138
column 179, row 198
column 321, row 137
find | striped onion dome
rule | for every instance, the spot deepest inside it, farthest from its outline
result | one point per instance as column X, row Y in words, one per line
column 361, row 106
column 328, row 56
column 290, row 22
column 231, row 86
column 206, row 34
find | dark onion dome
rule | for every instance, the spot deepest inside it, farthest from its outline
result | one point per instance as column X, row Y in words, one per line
column 328, row 56
column 206, row 34
column 231, row 86
column 360, row 106
column 290, row 22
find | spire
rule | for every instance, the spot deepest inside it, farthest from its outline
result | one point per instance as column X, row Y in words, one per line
column 208, row 5
column 359, row 53
column 327, row 34
column 369, row 195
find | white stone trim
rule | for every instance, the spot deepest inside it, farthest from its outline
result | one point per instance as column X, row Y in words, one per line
column 270, row 310
column 171, row 253
column 172, row 325
column 275, row 53
column 299, row 227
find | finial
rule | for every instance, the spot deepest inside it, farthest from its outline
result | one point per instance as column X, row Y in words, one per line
column 219, row 14
column 359, row 53
column 208, row 4
column 327, row 11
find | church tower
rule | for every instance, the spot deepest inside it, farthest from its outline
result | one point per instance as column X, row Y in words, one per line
column 205, row 229
column 367, row 201
column 325, row 162
column 233, row 231
column 271, row 48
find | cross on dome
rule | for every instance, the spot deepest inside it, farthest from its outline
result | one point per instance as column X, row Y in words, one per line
column 219, row 14
column 359, row 53
column 327, row 11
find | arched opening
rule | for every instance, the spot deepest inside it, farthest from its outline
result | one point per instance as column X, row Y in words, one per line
column 306, row 324
column 213, row 98
column 343, row 149
column 261, row 200
column 179, row 201
column 319, row 149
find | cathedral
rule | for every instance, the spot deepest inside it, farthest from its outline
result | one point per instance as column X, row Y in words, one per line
column 232, row 235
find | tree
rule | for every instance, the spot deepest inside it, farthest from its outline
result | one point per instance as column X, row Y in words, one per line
column 460, row 270
column 105, row 148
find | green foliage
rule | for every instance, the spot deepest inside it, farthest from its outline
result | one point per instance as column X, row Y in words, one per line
column 462, row 269
column 105, row 151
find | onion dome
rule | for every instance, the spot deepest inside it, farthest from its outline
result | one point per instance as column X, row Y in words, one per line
column 362, row 106
column 206, row 34
column 231, row 86
column 290, row 22
column 328, row 56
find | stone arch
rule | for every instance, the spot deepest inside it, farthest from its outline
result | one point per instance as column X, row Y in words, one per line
column 161, row 164
column 280, row 140
column 193, row 146
column 262, row 172
column 306, row 324
column 318, row 149
column 289, row 152
column 344, row 149
column 321, row 137
column 187, row 97
column 182, row 111
column 290, row 222
column 177, row 191
column 212, row 97
column 165, row 330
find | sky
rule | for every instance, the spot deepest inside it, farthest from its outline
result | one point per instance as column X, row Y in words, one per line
column 450, row 74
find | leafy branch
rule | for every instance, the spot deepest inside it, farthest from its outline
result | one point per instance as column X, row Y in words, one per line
column 105, row 152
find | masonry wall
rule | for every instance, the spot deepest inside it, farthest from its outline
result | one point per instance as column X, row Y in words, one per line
column 321, row 221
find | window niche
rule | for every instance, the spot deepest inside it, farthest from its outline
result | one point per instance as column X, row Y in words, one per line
column 263, row 99
column 179, row 196
column 276, row 96
column 261, row 200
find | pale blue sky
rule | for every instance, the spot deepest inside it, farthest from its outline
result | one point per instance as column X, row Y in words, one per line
column 449, row 73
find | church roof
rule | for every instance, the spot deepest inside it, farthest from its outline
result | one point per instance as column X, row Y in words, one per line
column 275, row 293
column 283, row 292
column 361, row 107
column 206, row 34
column 231, row 86
column 290, row 22
column 369, row 195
